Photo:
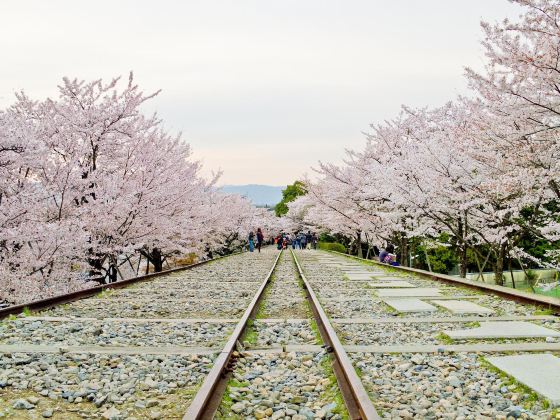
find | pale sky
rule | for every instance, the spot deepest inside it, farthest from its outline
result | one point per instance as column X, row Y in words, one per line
column 261, row 89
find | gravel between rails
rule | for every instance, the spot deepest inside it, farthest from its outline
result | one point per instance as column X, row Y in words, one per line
column 124, row 386
column 284, row 297
column 430, row 386
column 285, row 332
column 103, row 333
column 296, row 386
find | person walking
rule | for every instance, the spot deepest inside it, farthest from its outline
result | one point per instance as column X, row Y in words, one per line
column 314, row 240
column 260, row 239
column 251, row 241
column 297, row 241
column 303, row 241
column 309, row 239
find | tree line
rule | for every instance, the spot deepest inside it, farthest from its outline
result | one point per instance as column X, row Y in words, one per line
column 90, row 185
column 476, row 178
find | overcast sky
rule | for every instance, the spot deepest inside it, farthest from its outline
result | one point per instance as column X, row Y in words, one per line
column 261, row 89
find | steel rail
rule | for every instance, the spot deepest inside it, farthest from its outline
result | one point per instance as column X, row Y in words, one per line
column 208, row 398
column 506, row 292
column 355, row 396
column 92, row 291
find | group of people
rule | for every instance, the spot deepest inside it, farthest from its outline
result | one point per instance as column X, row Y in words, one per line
column 302, row 240
column 297, row 240
column 259, row 240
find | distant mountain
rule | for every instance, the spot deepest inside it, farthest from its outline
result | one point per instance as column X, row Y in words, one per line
column 259, row 195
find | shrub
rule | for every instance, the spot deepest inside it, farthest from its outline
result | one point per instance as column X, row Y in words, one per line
column 332, row 246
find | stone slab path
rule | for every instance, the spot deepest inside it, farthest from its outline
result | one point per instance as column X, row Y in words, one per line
column 430, row 320
column 462, row 307
column 513, row 329
column 410, row 305
column 416, row 292
column 454, row 348
column 359, row 276
column 540, row 372
column 391, row 284
column 374, row 298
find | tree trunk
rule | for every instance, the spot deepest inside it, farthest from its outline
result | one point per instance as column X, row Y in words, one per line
column 157, row 260
column 112, row 270
column 404, row 251
column 479, row 267
column 427, row 258
column 463, row 262
column 462, row 233
column 511, row 273
column 96, row 267
column 499, row 267
column 359, row 244
column 154, row 256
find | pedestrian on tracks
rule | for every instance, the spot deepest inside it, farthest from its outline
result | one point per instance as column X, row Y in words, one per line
column 309, row 239
column 279, row 242
column 303, row 240
column 251, row 241
column 297, row 244
column 260, row 239
column 314, row 240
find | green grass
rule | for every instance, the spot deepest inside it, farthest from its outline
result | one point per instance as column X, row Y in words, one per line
column 444, row 338
column 104, row 294
column 544, row 312
column 250, row 336
column 387, row 307
column 315, row 329
column 552, row 293
column 332, row 393
column 260, row 313
column 224, row 412
column 26, row 311
column 532, row 397
column 473, row 324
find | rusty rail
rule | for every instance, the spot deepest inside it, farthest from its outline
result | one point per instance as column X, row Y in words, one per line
column 92, row 291
column 506, row 292
column 209, row 396
column 355, row 396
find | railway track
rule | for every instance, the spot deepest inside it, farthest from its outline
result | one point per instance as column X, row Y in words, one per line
column 428, row 348
column 293, row 335
column 136, row 352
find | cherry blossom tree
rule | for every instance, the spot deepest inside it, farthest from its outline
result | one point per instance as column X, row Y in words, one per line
column 89, row 183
